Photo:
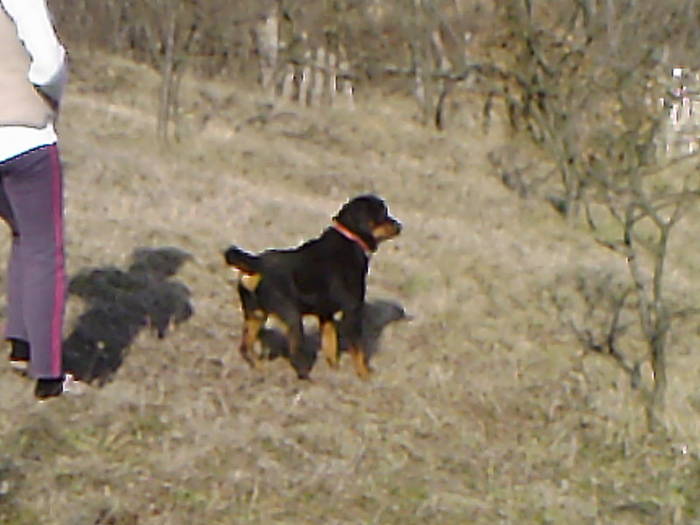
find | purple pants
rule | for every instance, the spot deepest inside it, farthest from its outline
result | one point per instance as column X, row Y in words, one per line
column 31, row 203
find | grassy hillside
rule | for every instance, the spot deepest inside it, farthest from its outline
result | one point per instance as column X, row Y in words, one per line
column 482, row 408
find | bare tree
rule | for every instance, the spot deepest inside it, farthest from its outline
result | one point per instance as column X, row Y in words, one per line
column 583, row 78
column 316, row 52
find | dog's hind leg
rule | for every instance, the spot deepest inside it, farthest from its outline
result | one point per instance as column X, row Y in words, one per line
column 252, row 324
column 301, row 362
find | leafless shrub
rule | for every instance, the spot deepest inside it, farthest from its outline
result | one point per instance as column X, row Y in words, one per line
column 611, row 318
column 210, row 37
column 519, row 171
column 582, row 79
column 597, row 306
column 309, row 51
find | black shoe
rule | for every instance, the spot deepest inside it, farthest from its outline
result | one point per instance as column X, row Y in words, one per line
column 19, row 350
column 46, row 388
column 19, row 355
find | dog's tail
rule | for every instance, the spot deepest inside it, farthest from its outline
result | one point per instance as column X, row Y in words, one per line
column 244, row 261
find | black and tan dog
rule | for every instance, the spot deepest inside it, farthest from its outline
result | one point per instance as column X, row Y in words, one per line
column 324, row 277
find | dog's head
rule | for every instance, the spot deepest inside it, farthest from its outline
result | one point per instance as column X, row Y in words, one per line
column 367, row 216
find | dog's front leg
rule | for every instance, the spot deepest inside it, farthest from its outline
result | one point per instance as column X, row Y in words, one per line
column 355, row 347
column 359, row 359
column 329, row 342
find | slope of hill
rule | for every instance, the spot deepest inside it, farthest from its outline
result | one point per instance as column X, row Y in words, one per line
column 482, row 408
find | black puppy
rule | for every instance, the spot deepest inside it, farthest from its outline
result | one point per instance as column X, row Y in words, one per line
column 324, row 277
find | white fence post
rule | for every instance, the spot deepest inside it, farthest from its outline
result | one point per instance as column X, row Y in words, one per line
column 682, row 128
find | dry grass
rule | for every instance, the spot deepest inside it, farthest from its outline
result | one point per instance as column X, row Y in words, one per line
column 481, row 410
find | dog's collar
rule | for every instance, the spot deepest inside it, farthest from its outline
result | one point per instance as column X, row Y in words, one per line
column 345, row 232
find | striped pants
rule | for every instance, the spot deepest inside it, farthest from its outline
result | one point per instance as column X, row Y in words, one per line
column 31, row 203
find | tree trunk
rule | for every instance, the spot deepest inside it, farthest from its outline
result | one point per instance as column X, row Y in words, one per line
column 167, row 78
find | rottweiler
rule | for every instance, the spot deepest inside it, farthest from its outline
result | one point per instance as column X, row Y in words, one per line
column 324, row 277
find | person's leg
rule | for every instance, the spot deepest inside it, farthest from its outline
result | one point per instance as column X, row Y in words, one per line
column 34, row 188
column 15, row 330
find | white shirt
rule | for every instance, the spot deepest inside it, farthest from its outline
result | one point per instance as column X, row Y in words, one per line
column 47, row 70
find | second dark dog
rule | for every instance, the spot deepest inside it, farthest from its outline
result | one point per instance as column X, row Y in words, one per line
column 324, row 277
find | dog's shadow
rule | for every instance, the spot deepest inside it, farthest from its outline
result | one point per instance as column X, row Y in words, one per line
column 121, row 303
column 376, row 316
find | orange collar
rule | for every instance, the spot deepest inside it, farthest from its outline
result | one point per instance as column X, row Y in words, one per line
column 352, row 236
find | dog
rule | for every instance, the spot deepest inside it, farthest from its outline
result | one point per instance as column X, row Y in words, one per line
column 324, row 277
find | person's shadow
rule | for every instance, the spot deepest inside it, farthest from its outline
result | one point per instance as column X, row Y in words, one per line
column 121, row 303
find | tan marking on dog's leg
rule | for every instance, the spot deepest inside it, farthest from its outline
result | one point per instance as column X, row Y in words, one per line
column 329, row 343
column 251, row 329
column 250, row 281
column 359, row 359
